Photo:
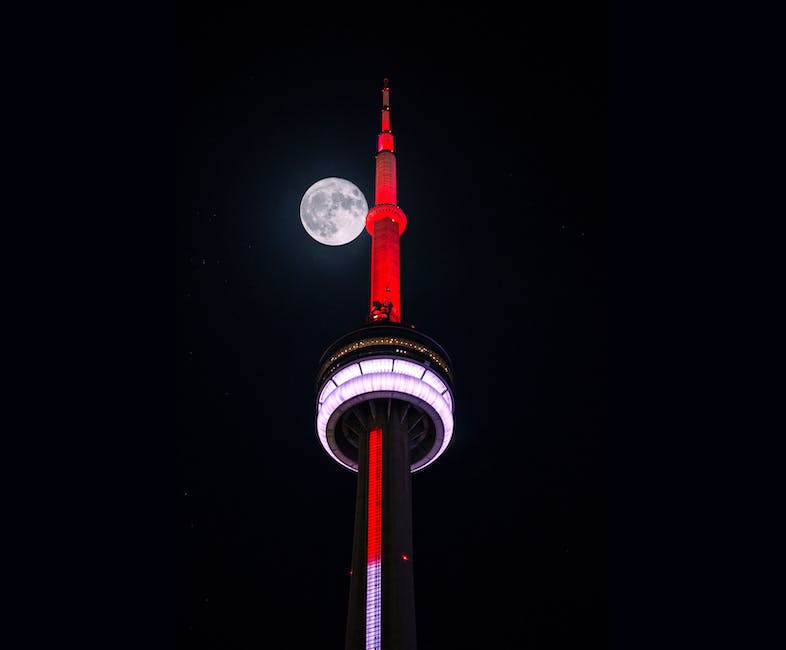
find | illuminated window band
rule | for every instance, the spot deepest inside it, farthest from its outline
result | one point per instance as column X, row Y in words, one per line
column 374, row 543
column 388, row 340
column 385, row 377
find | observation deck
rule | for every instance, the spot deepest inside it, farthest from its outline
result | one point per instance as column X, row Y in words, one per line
column 379, row 371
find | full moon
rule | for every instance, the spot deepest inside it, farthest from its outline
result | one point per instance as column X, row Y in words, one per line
column 333, row 211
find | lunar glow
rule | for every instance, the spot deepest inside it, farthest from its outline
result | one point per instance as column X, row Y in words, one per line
column 333, row 211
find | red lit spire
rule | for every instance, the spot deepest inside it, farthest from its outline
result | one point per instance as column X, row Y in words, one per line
column 385, row 137
column 385, row 223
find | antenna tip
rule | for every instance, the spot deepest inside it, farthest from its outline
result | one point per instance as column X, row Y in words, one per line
column 385, row 82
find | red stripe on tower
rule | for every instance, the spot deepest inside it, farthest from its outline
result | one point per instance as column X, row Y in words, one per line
column 374, row 542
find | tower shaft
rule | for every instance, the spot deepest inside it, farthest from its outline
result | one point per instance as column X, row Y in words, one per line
column 382, row 588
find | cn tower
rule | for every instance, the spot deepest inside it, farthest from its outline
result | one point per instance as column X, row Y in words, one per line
column 384, row 410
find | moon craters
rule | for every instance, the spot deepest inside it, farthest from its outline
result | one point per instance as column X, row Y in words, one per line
column 333, row 211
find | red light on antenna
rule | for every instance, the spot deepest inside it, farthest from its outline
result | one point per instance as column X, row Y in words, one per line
column 404, row 557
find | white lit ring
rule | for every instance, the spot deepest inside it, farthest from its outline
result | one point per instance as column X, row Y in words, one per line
column 399, row 383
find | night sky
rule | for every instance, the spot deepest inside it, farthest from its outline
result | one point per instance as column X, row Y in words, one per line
column 500, row 118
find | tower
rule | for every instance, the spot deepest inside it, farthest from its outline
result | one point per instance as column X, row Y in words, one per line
column 384, row 410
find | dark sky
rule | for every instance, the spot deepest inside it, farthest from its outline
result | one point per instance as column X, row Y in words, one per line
column 500, row 117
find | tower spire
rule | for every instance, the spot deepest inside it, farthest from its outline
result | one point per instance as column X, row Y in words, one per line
column 385, row 137
column 385, row 223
